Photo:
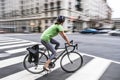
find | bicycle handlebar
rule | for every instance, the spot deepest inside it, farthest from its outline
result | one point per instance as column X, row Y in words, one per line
column 71, row 42
column 75, row 46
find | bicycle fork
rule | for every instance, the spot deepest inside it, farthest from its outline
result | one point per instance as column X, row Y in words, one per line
column 69, row 58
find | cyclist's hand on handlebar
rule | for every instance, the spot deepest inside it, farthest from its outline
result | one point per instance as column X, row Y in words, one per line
column 69, row 43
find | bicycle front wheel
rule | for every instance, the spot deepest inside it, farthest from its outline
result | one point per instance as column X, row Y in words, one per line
column 32, row 67
column 71, row 62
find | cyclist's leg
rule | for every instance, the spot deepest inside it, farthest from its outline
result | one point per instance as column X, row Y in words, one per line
column 49, row 47
column 53, row 41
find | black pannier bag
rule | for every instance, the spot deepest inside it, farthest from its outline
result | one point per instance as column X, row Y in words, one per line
column 33, row 54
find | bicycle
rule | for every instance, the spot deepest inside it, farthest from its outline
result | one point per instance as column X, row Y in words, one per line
column 70, row 61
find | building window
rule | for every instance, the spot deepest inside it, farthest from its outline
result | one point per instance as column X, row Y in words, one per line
column 78, row 5
column 2, row 4
column 37, row 9
column 37, row 4
column 52, row 5
column 69, row 5
column 58, row 4
column 22, row 12
column 46, row 21
column 21, row 2
column 52, row 20
column 46, row 6
column 32, row 11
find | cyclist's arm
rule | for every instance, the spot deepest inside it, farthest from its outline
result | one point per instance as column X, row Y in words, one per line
column 64, row 37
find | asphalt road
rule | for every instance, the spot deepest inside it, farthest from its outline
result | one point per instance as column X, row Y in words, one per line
column 105, row 47
column 98, row 45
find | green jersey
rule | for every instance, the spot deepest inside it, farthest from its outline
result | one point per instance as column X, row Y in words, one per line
column 51, row 32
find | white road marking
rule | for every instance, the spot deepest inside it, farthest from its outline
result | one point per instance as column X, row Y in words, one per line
column 11, row 61
column 7, row 41
column 4, row 55
column 99, row 57
column 16, row 50
column 92, row 70
column 17, row 45
column 23, row 41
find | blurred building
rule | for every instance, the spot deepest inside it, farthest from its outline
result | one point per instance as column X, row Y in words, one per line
column 37, row 15
column 10, row 9
column 116, row 22
column 97, row 12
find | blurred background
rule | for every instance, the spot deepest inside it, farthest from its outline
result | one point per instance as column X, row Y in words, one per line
column 24, row 16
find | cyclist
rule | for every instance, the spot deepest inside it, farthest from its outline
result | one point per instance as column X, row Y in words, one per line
column 47, row 38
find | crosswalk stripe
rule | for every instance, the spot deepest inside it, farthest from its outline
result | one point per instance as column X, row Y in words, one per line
column 13, row 51
column 117, row 62
column 16, row 50
column 11, row 61
column 92, row 71
column 7, row 41
column 23, row 41
column 25, row 75
column 17, row 45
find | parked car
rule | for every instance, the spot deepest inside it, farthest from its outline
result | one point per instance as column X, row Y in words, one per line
column 89, row 30
column 115, row 32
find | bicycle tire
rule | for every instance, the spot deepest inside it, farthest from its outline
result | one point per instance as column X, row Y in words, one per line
column 71, row 62
column 32, row 67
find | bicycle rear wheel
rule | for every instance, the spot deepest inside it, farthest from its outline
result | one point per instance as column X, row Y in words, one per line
column 32, row 67
column 71, row 62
